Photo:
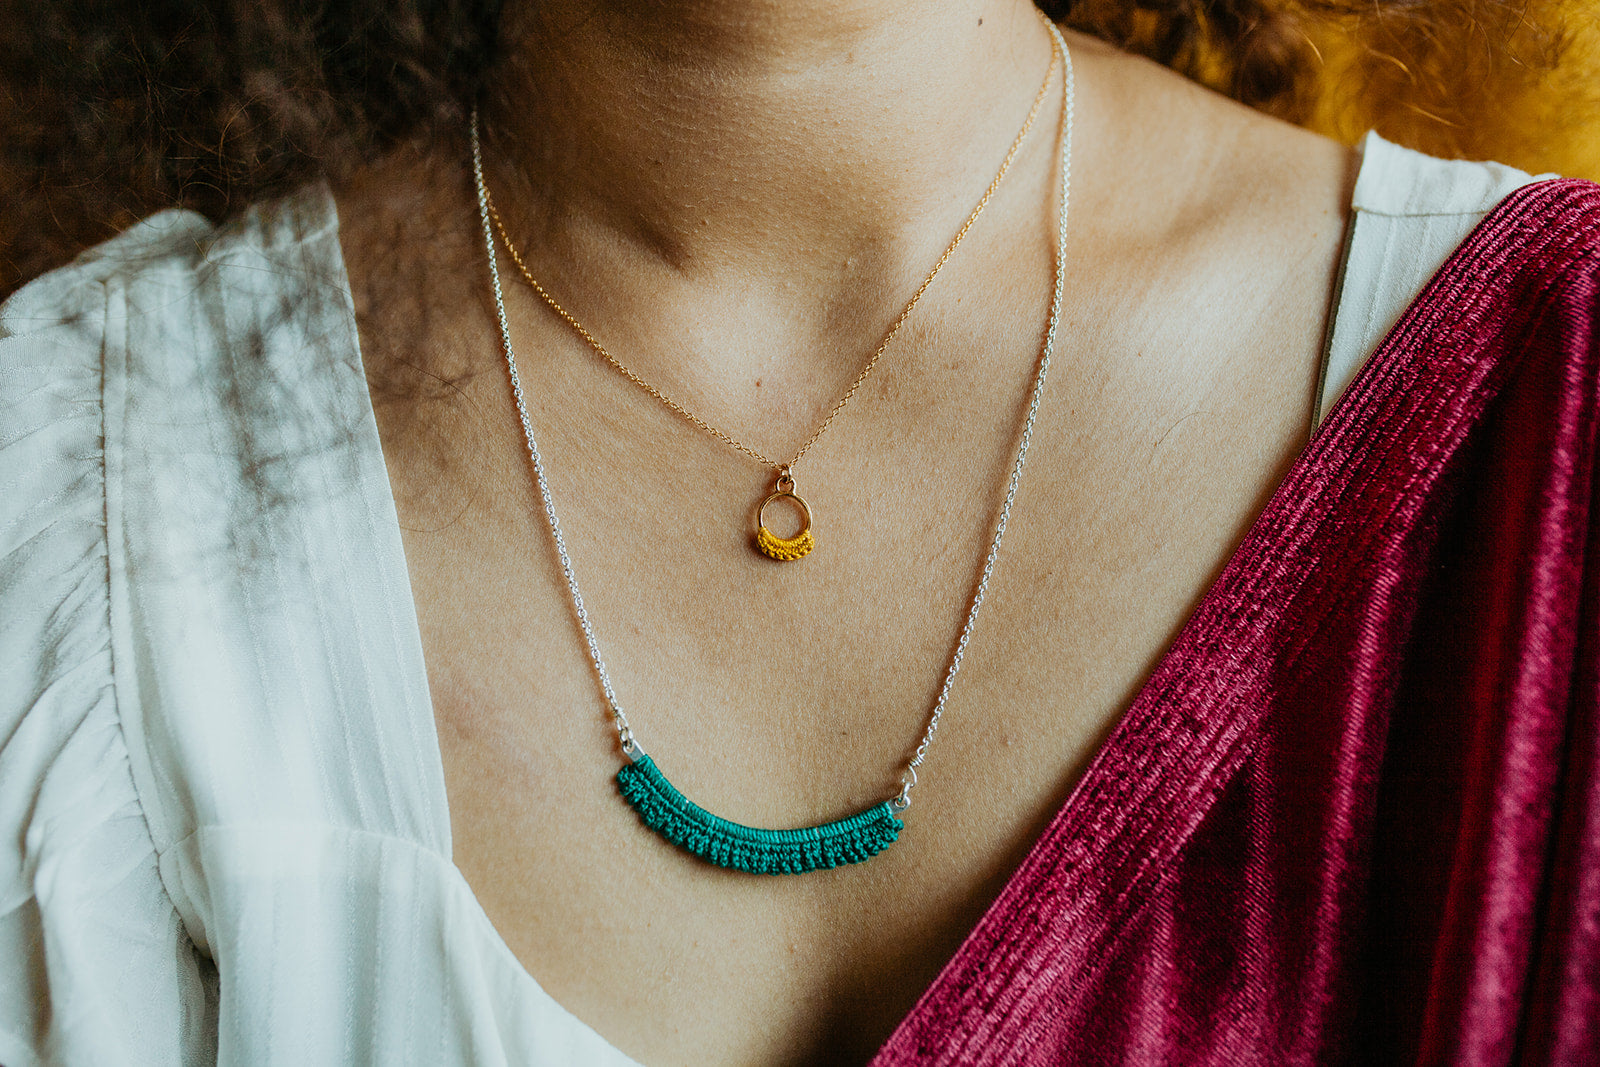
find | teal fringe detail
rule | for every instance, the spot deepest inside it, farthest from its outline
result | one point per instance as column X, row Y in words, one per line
column 669, row 813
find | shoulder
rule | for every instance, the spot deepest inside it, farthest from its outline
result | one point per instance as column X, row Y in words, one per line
column 1409, row 214
column 74, row 295
column 129, row 385
column 180, row 358
column 1503, row 341
column 158, row 278
column 1401, row 183
column 1179, row 165
column 177, row 324
column 184, row 423
column 1184, row 161
column 1528, row 276
column 57, row 336
column 1548, row 228
column 78, row 865
column 1493, row 239
column 147, row 348
column 1413, row 214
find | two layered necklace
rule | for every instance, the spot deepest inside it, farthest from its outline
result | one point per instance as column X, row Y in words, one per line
column 641, row 782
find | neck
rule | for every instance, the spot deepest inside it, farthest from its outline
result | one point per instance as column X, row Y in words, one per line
column 763, row 137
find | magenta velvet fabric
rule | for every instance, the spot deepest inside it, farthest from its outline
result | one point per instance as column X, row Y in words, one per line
column 1354, row 815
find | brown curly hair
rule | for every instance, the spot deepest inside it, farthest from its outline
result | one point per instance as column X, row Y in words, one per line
column 112, row 110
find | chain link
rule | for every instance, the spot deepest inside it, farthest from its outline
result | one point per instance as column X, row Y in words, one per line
column 1068, row 106
column 894, row 328
column 624, row 732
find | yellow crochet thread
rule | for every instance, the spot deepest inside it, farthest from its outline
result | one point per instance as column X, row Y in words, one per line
column 784, row 548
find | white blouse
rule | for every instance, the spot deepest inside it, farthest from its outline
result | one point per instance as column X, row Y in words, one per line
column 223, row 827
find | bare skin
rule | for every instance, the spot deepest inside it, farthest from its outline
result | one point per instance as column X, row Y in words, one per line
column 737, row 198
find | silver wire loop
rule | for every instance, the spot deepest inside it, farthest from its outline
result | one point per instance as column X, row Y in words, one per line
column 907, row 781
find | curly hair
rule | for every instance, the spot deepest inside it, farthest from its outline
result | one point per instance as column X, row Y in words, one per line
column 113, row 110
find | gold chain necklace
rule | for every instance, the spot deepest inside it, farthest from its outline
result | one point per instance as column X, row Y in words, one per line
column 768, row 543
column 659, row 804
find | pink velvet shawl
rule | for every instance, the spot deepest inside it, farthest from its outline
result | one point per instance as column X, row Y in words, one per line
column 1354, row 814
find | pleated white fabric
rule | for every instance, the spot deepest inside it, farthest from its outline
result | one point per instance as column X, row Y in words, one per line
column 223, row 827
column 222, row 805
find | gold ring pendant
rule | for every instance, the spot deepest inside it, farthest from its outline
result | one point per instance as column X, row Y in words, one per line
column 784, row 548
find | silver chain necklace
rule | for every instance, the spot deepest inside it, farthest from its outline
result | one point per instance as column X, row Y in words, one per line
column 854, row 838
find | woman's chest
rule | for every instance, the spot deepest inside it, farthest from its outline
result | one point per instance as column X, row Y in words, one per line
column 781, row 695
column 788, row 694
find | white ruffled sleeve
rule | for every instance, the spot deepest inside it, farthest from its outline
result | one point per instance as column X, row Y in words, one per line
column 95, row 965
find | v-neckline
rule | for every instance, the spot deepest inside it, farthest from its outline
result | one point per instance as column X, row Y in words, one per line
column 1137, row 768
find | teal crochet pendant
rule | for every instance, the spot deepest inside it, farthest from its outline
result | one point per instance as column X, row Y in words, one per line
column 745, row 848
